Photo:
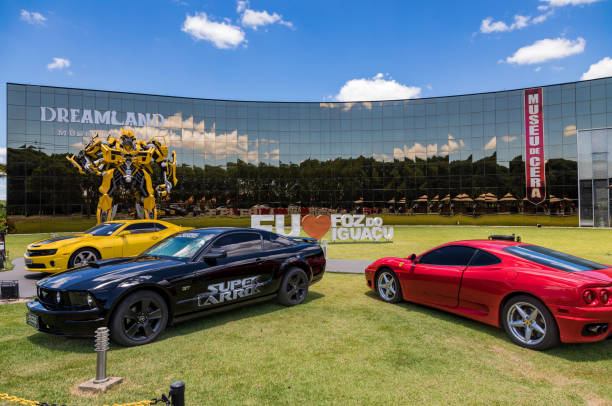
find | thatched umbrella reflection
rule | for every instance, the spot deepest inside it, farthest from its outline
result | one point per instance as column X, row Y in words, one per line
column 509, row 203
column 420, row 205
column 461, row 203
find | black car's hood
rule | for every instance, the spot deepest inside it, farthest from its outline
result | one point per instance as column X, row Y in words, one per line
column 101, row 273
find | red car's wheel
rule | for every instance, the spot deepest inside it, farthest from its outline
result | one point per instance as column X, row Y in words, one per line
column 529, row 323
column 388, row 287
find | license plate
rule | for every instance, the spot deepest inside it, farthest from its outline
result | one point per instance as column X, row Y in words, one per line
column 28, row 261
column 32, row 320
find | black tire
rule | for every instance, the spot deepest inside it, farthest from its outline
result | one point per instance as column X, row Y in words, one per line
column 139, row 319
column 529, row 323
column 294, row 287
column 83, row 254
column 388, row 286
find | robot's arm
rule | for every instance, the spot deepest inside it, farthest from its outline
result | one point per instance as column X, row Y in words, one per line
column 159, row 155
column 83, row 161
column 169, row 173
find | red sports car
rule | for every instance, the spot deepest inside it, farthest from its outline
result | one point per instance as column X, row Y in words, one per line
column 540, row 296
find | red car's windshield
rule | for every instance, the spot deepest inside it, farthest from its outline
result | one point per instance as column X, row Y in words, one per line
column 553, row 259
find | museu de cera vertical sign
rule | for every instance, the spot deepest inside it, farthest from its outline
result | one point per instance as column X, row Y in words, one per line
column 535, row 177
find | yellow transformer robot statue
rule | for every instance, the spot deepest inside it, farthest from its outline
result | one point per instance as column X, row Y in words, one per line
column 127, row 162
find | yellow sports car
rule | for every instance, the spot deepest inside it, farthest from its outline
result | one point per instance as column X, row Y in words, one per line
column 111, row 239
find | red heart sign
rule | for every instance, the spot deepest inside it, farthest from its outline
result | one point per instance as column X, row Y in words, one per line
column 316, row 227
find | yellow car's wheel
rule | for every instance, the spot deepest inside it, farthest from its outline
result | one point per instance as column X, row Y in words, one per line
column 83, row 257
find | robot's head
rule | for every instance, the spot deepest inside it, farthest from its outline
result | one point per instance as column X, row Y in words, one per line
column 128, row 139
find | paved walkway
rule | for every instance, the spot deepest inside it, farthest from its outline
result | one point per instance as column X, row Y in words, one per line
column 27, row 280
column 346, row 265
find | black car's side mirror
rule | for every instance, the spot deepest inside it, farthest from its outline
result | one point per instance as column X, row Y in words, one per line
column 215, row 253
column 412, row 257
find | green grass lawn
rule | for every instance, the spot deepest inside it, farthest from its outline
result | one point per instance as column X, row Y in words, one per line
column 16, row 245
column 343, row 346
column 594, row 244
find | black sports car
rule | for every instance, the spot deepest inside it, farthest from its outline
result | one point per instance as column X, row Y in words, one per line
column 185, row 275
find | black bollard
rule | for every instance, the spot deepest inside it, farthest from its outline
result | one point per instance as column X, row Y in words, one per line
column 177, row 393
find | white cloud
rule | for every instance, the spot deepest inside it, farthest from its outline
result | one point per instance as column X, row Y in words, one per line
column 241, row 5
column 599, row 69
column 541, row 18
column 562, row 3
column 546, row 50
column 223, row 35
column 376, row 88
column 488, row 26
column 3, row 156
column 539, row 68
column 58, row 63
column 255, row 19
column 33, row 17
column 492, row 144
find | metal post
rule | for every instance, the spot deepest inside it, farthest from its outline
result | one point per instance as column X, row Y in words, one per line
column 177, row 393
column 324, row 243
column 101, row 346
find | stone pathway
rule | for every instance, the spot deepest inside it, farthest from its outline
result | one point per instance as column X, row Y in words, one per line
column 346, row 265
column 27, row 280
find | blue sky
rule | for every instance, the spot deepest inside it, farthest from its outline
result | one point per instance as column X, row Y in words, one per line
column 303, row 51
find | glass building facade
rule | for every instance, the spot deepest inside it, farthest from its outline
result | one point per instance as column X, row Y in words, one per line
column 435, row 158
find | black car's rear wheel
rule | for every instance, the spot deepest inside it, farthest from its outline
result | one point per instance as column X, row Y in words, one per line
column 294, row 287
column 529, row 323
column 139, row 319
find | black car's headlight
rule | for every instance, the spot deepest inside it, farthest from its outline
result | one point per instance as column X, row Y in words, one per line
column 85, row 299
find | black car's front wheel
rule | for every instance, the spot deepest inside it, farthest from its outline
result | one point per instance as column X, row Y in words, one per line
column 294, row 287
column 529, row 323
column 139, row 319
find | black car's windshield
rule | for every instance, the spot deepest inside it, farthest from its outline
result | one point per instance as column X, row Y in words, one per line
column 104, row 229
column 181, row 246
column 554, row 259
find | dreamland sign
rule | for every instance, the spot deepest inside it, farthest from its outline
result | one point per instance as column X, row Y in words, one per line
column 344, row 227
column 110, row 117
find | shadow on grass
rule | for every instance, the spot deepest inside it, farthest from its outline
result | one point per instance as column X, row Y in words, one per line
column 62, row 343
column 572, row 352
column 36, row 276
column 204, row 322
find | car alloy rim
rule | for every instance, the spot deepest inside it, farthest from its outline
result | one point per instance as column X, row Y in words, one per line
column 296, row 287
column 386, row 286
column 83, row 258
column 142, row 319
column 526, row 323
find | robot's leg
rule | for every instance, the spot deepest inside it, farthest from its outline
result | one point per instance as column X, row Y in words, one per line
column 105, row 204
column 148, row 200
column 139, row 213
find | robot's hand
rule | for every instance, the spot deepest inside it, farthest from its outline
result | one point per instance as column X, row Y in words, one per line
column 75, row 161
column 163, row 189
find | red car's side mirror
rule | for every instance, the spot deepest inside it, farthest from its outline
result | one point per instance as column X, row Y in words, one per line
column 412, row 258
